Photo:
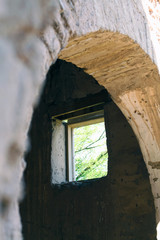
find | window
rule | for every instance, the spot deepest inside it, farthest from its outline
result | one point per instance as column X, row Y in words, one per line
column 79, row 150
column 87, row 152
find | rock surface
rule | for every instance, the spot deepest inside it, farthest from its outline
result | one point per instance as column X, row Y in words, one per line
column 31, row 36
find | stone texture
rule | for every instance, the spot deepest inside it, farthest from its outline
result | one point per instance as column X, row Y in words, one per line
column 22, row 75
column 58, row 162
column 31, row 35
column 133, row 82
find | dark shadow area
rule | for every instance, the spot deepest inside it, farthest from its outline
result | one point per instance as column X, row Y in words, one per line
column 119, row 206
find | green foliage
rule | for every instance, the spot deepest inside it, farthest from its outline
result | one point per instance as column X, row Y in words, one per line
column 90, row 152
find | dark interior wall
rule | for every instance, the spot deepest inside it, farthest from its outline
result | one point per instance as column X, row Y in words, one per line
column 119, row 206
column 37, row 175
column 67, row 82
column 133, row 214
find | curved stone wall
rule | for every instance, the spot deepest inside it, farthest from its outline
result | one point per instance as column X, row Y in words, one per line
column 32, row 35
column 131, row 78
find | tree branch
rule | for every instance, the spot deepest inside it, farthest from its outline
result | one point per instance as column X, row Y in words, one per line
column 92, row 164
column 87, row 147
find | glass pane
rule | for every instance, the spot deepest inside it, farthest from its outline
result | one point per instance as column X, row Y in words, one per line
column 90, row 151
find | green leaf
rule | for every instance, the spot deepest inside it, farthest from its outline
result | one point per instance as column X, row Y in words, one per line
column 91, row 155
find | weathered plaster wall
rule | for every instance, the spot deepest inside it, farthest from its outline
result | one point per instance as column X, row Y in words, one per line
column 58, row 155
column 32, row 34
column 23, row 64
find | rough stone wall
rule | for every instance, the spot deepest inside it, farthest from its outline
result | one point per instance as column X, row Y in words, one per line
column 58, row 162
column 133, row 82
column 32, row 34
column 23, row 65
column 132, row 202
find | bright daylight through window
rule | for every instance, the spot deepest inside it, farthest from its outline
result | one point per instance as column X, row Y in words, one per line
column 90, row 154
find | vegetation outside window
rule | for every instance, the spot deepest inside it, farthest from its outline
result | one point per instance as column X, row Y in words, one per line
column 88, row 154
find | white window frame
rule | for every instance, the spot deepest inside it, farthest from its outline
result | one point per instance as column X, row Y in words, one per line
column 70, row 143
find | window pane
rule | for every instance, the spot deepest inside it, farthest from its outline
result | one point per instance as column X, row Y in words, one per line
column 90, row 151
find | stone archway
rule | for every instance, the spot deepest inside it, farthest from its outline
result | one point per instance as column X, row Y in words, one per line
column 118, row 206
column 127, row 72
column 29, row 44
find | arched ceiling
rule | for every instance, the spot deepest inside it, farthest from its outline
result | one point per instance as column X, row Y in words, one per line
column 133, row 81
column 113, row 59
